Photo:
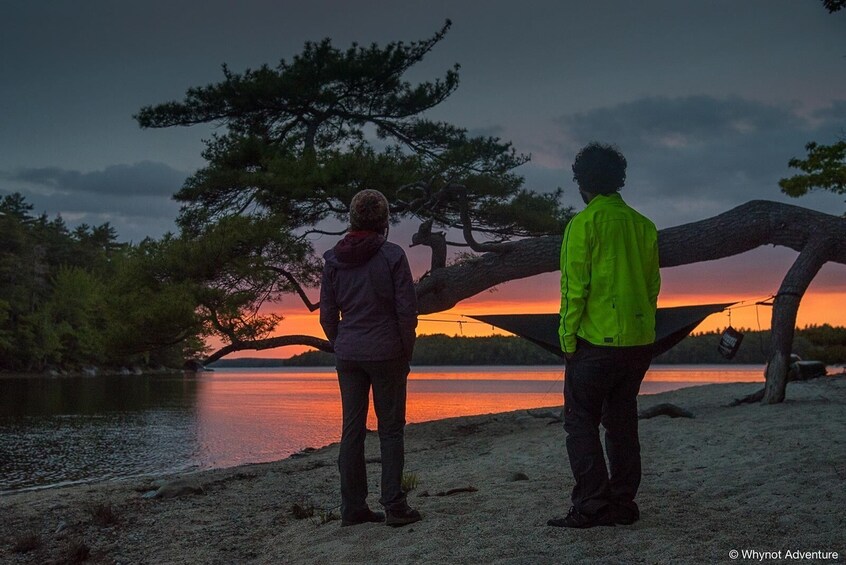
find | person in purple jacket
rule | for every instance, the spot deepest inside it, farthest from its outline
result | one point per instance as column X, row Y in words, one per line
column 368, row 310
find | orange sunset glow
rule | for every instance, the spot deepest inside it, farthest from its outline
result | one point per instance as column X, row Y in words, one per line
column 822, row 304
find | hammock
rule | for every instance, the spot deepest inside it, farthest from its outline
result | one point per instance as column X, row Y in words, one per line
column 671, row 326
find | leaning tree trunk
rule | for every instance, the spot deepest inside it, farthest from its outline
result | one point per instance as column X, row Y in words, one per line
column 741, row 229
column 817, row 236
column 815, row 254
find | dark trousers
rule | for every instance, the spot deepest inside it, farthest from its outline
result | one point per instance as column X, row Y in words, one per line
column 388, row 379
column 601, row 384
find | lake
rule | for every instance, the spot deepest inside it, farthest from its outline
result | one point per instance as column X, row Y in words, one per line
column 63, row 430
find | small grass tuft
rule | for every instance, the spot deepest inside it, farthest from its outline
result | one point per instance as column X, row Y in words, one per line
column 103, row 515
column 409, row 482
column 302, row 511
column 29, row 541
column 326, row 516
column 76, row 551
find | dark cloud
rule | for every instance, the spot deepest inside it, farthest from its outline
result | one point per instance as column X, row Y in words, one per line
column 135, row 199
column 693, row 157
column 678, row 122
column 834, row 114
column 145, row 178
column 72, row 80
column 134, row 218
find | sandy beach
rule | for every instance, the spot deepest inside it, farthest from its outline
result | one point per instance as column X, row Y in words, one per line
column 750, row 478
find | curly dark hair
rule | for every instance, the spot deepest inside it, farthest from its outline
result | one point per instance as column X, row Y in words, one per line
column 600, row 168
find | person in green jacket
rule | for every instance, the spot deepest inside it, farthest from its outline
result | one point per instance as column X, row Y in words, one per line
column 609, row 292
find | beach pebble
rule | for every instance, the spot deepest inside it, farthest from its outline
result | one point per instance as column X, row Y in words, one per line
column 517, row 477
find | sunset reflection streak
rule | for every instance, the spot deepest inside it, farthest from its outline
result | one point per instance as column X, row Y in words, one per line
column 256, row 415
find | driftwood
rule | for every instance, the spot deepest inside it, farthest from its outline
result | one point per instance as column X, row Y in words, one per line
column 664, row 409
column 554, row 415
column 748, row 399
column 451, row 491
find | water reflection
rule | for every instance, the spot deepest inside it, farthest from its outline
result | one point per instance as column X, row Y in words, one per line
column 247, row 417
column 59, row 430
column 46, row 396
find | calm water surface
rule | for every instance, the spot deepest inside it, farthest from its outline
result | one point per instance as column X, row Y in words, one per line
column 64, row 430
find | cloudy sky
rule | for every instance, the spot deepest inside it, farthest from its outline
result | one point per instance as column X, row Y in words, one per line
column 708, row 100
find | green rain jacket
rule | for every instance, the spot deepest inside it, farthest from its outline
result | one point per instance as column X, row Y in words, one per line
column 609, row 276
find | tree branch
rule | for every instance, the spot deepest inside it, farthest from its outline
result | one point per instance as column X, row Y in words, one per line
column 269, row 343
column 323, row 232
column 297, row 287
column 436, row 241
column 215, row 321
column 467, row 228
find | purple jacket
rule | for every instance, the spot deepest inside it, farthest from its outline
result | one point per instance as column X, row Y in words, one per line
column 368, row 307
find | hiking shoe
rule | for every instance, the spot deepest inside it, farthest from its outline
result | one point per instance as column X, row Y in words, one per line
column 402, row 517
column 363, row 518
column 576, row 519
column 625, row 514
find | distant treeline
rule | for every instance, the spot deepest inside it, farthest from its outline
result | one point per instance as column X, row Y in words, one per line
column 819, row 343
column 822, row 343
column 75, row 298
column 435, row 349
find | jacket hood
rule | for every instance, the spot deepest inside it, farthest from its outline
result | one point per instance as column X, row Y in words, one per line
column 357, row 247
